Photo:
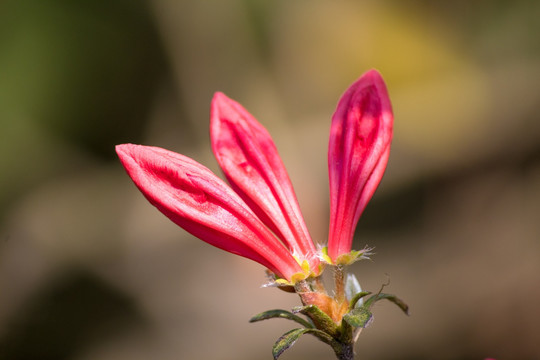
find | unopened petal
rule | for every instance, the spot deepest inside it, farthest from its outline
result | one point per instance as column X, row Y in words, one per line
column 195, row 199
column 359, row 146
column 248, row 156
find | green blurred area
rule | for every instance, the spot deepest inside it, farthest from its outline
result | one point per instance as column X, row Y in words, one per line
column 77, row 77
column 89, row 270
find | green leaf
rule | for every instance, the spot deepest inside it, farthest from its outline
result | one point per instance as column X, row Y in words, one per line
column 289, row 338
column 278, row 313
column 373, row 299
column 286, row 341
column 357, row 297
column 321, row 320
column 359, row 317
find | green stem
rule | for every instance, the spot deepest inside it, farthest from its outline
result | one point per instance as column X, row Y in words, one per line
column 344, row 351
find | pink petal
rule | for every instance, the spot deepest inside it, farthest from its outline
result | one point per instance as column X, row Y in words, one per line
column 246, row 153
column 358, row 152
column 195, row 199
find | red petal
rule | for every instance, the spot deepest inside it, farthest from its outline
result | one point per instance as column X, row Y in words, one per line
column 195, row 199
column 360, row 138
column 246, row 153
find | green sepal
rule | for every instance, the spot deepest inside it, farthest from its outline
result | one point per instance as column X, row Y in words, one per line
column 289, row 338
column 359, row 317
column 353, row 256
column 321, row 320
column 357, row 297
column 324, row 254
column 393, row 298
column 278, row 313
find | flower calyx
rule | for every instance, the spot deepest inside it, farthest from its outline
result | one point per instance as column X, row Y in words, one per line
column 347, row 258
column 337, row 321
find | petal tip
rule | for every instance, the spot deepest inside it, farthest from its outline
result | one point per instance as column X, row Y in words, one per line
column 219, row 106
column 373, row 73
column 373, row 76
column 122, row 149
column 219, row 98
column 119, row 147
column 127, row 150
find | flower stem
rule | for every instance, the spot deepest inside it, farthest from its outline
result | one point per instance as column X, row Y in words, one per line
column 339, row 280
column 319, row 285
column 302, row 287
column 344, row 351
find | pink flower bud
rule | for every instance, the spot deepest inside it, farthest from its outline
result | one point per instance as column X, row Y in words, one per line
column 358, row 151
column 195, row 199
column 248, row 157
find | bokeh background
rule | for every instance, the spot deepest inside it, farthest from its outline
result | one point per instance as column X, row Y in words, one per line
column 89, row 270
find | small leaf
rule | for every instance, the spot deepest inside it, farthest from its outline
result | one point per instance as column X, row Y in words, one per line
column 359, row 317
column 373, row 299
column 289, row 338
column 321, row 320
column 286, row 341
column 356, row 299
column 278, row 313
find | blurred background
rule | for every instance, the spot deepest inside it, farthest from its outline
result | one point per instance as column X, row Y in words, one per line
column 89, row 270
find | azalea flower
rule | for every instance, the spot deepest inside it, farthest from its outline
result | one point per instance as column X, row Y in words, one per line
column 358, row 152
column 258, row 216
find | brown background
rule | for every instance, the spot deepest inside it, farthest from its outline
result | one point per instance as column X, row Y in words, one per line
column 89, row 270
